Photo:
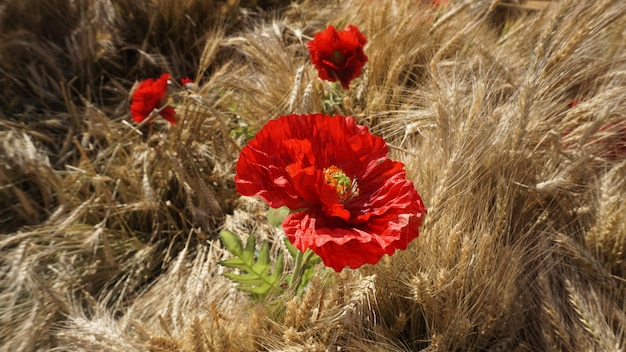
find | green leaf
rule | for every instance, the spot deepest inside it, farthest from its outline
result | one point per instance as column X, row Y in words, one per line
column 275, row 216
column 255, row 276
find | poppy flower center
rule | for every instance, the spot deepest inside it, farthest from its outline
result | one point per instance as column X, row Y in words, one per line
column 345, row 187
column 337, row 57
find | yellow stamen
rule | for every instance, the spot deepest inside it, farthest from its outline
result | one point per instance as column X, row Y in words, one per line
column 345, row 187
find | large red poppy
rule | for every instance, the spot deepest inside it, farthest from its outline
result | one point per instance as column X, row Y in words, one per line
column 352, row 203
column 338, row 55
column 151, row 94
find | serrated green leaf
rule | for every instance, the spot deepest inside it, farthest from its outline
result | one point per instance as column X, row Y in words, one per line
column 273, row 280
column 245, row 279
column 231, row 242
column 255, row 274
column 234, row 263
column 262, row 264
column 248, row 253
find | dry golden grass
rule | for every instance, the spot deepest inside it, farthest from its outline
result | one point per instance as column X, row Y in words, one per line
column 108, row 232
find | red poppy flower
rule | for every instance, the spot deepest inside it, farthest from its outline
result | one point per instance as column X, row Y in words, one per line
column 186, row 82
column 338, row 55
column 149, row 95
column 354, row 204
column 611, row 140
column 574, row 102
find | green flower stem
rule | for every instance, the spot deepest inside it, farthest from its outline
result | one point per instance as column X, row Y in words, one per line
column 296, row 277
column 300, row 263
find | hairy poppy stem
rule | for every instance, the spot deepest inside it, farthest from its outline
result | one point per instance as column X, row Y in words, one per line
column 297, row 270
column 300, row 263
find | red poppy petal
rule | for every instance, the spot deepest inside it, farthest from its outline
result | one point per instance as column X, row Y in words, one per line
column 262, row 166
column 169, row 114
column 338, row 246
column 138, row 111
column 386, row 181
column 256, row 176
column 148, row 96
column 352, row 254
column 286, row 144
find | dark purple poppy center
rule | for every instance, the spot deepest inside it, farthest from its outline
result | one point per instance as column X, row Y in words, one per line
column 337, row 57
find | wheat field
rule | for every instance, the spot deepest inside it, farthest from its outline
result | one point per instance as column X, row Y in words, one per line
column 508, row 114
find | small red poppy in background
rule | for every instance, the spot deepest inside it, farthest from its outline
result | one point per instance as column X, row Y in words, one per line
column 613, row 139
column 187, row 82
column 338, row 55
column 610, row 141
column 351, row 204
column 150, row 95
column 573, row 102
